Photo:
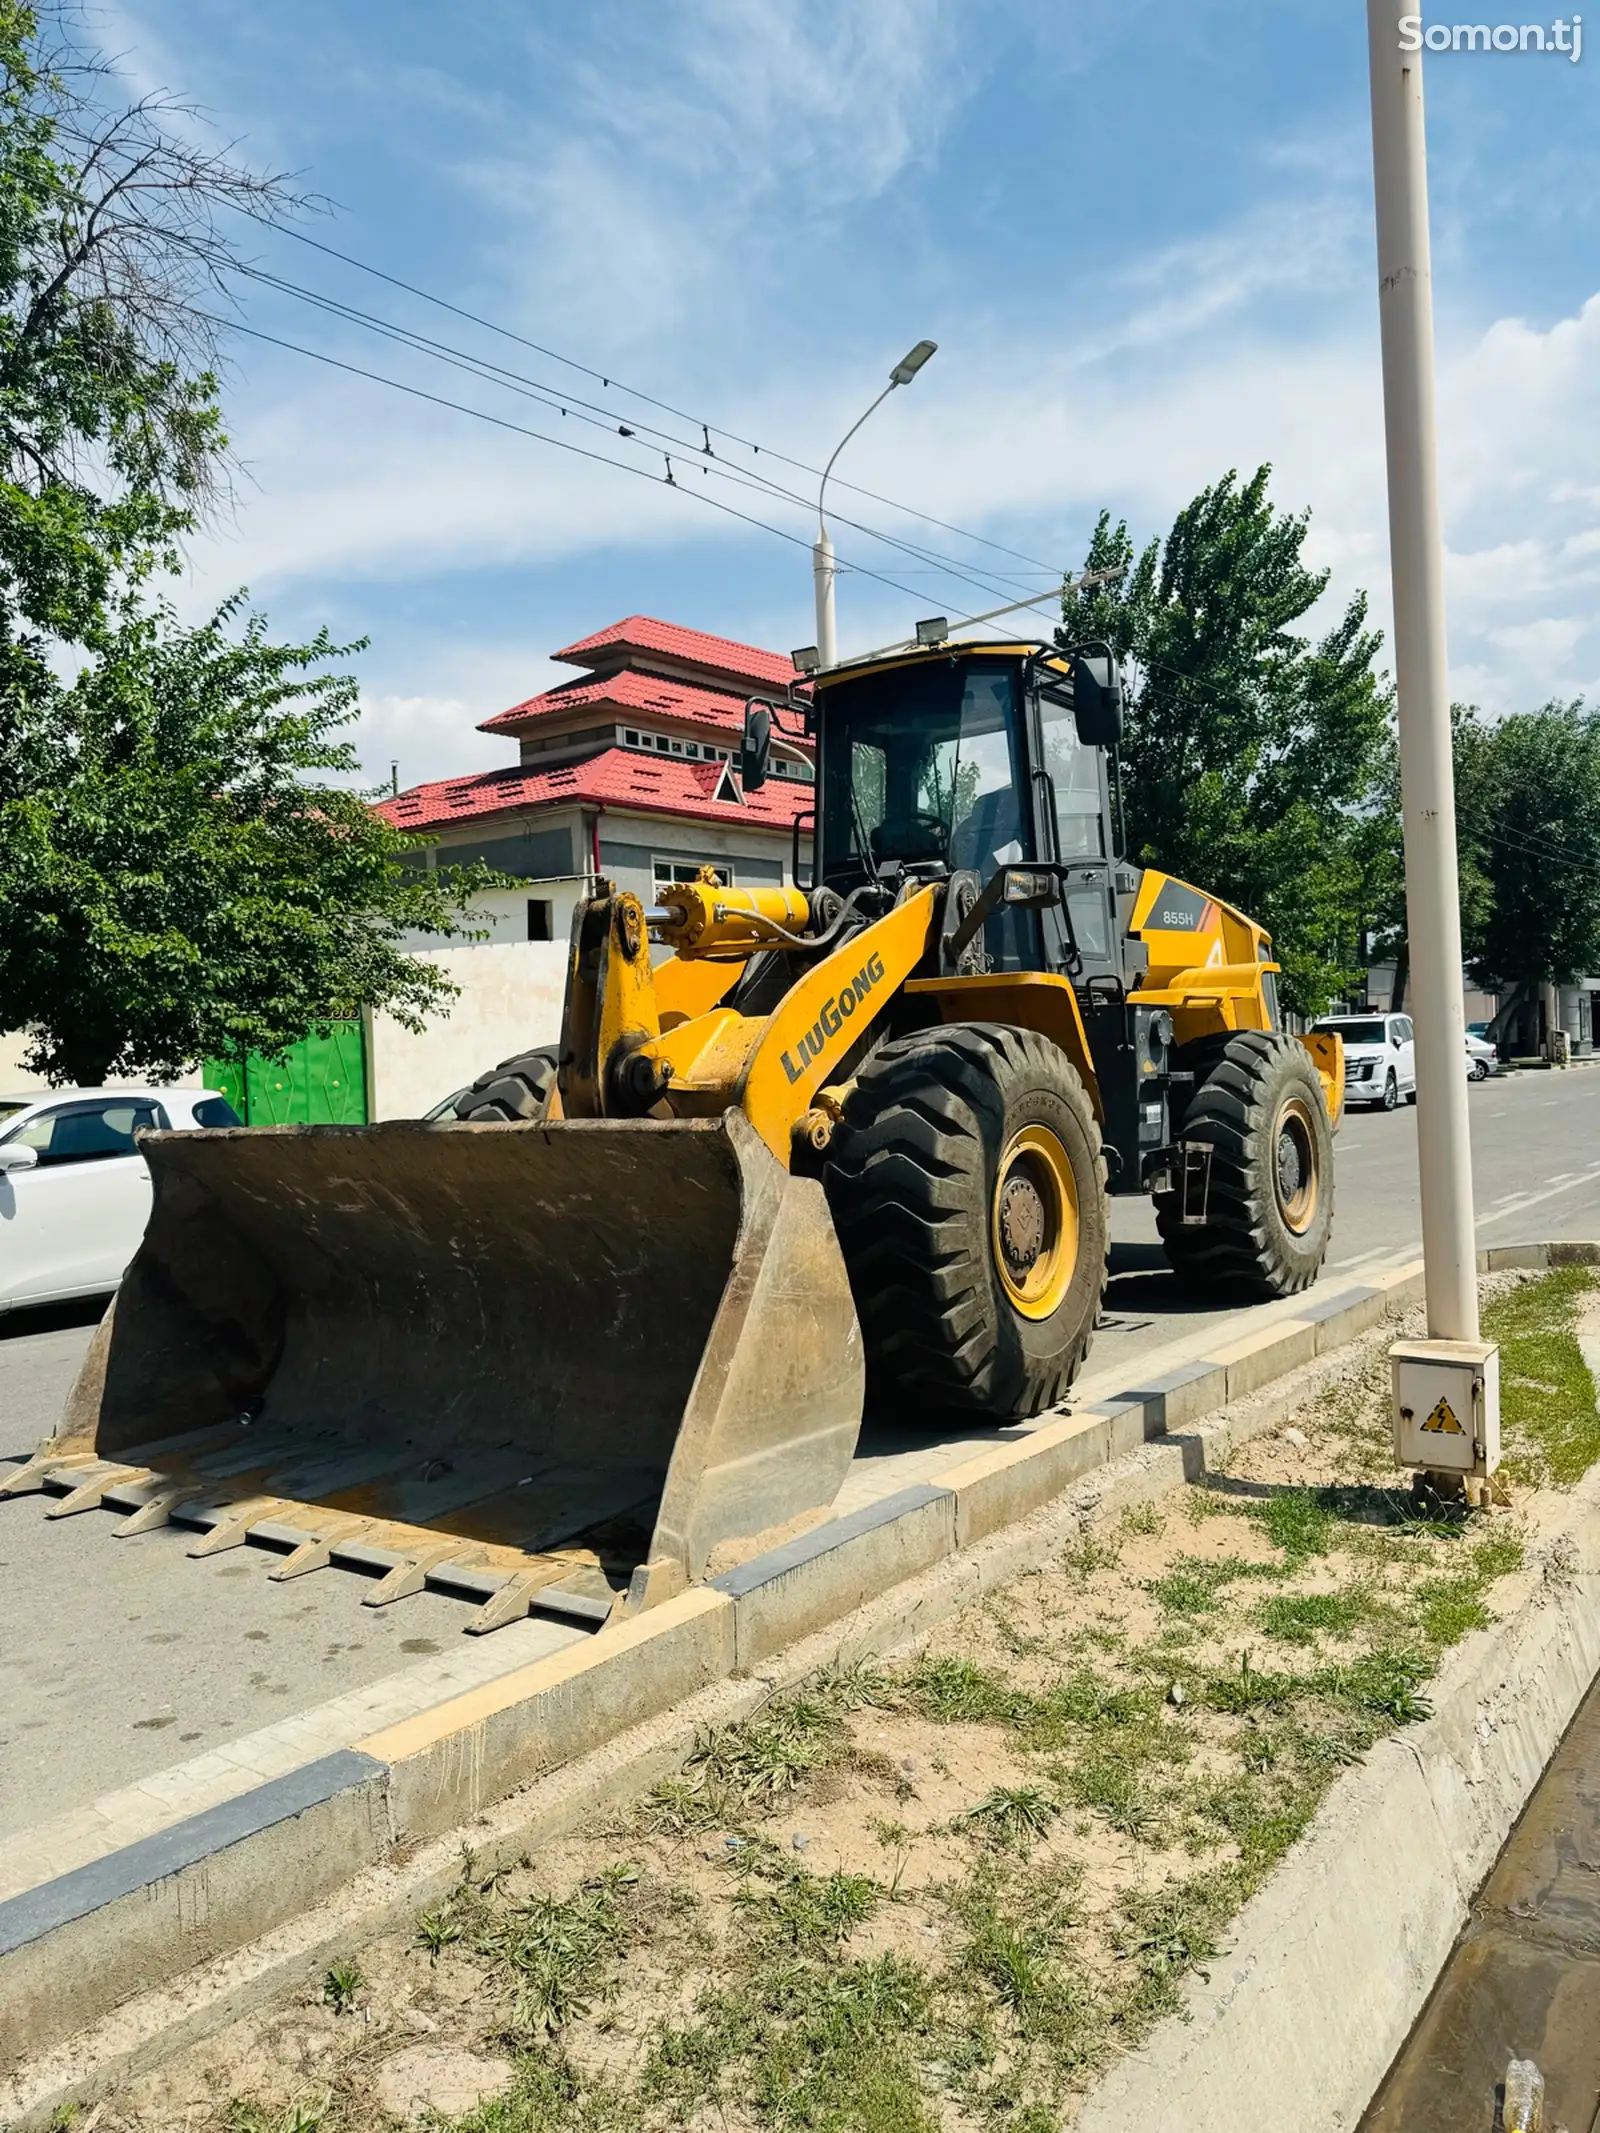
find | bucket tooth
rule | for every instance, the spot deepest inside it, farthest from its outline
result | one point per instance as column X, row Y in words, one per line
column 41, row 1468
column 90, row 1494
column 155, row 1511
column 233, row 1527
column 517, row 1597
column 316, row 1552
column 411, row 1575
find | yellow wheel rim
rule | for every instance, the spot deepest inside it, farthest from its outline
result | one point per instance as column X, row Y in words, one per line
column 1034, row 1222
column 1296, row 1174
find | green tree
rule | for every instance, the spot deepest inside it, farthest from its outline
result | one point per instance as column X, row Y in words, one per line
column 1528, row 816
column 1253, row 757
column 181, row 876
column 181, row 870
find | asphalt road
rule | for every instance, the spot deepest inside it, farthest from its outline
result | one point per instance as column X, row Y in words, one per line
column 121, row 1659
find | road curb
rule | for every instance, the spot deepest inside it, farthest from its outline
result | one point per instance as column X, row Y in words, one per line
column 869, row 1581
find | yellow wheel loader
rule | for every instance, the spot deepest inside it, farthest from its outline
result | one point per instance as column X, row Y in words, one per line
column 798, row 1149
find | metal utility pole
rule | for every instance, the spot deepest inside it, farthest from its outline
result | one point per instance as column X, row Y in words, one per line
column 823, row 571
column 1427, row 790
column 1427, row 782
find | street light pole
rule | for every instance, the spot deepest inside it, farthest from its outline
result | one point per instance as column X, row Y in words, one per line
column 823, row 571
column 1446, row 1389
column 1416, row 551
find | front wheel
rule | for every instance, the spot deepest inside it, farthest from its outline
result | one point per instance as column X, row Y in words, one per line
column 1258, row 1107
column 520, row 1088
column 968, row 1191
column 1391, row 1091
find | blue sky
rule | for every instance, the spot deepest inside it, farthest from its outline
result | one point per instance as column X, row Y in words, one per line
column 1139, row 230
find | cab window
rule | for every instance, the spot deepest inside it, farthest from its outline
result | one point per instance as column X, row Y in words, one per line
column 89, row 1132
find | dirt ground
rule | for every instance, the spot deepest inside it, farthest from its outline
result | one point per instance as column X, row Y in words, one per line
column 947, row 1892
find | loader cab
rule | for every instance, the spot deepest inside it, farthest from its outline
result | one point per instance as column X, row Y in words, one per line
column 972, row 758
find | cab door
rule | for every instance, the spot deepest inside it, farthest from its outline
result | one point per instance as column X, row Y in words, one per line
column 1073, row 814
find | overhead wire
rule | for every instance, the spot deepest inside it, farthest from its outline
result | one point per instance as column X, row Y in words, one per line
column 588, row 412
column 609, row 382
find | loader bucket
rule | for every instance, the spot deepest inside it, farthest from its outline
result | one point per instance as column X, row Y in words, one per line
column 567, row 1355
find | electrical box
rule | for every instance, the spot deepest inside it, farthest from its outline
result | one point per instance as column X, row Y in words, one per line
column 1446, row 1405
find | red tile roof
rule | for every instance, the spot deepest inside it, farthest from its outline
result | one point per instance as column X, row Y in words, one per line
column 618, row 777
column 647, row 695
column 723, row 655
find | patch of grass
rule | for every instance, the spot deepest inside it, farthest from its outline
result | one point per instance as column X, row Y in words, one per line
column 806, row 1911
column 1262, row 1820
column 1014, row 1814
column 957, row 1689
column 437, row 1929
column 1090, row 1552
column 341, row 1983
column 1194, row 1585
column 1110, row 1785
column 1166, row 1934
column 1384, row 1682
column 1301, row 1618
column 1547, row 1396
column 552, row 1957
column 1252, row 1688
column 1143, row 1519
column 768, row 1756
column 244, row 2115
column 810, row 2044
column 1298, row 1522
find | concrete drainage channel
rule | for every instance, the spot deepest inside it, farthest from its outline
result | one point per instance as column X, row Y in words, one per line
column 115, row 1953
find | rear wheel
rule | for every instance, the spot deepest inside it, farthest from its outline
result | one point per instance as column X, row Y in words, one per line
column 518, row 1088
column 1480, row 1070
column 1258, row 1106
column 968, row 1190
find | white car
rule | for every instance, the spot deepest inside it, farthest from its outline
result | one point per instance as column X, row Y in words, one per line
column 74, row 1190
column 1482, row 1058
column 1380, row 1058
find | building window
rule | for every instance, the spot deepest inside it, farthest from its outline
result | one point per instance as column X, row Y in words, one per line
column 667, row 871
column 541, row 919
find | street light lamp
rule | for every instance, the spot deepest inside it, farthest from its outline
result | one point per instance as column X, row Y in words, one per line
column 822, row 564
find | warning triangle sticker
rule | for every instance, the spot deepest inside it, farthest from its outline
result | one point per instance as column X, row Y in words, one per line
column 1443, row 1421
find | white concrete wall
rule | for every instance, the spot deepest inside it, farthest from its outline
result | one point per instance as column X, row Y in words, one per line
column 503, row 914
column 15, row 1081
column 510, row 999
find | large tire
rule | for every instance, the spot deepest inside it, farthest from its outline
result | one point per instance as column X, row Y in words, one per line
column 1258, row 1106
column 519, row 1088
column 968, row 1190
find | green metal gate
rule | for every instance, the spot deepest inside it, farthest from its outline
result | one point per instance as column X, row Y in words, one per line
column 321, row 1081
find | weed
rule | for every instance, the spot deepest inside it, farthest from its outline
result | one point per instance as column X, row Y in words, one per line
column 809, row 1911
column 769, row 1755
column 1194, row 1586
column 1014, row 1814
column 437, row 1929
column 1143, row 1519
column 679, row 1804
column 1384, row 1682
column 1298, row 1522
column 553, row 1957
column 1262, row 1822
column 893, row 1836
column 1252, row 1689
column 245, row 2115
column 340, row 1985
column 1088, row 1553
column 1300, row 1618
column 1169, row 1932
column 1112, row 1786
column 957, row 1689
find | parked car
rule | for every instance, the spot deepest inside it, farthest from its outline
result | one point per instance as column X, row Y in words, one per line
column 1380, row 1058
column 74, row 1189
column 1482, row 1057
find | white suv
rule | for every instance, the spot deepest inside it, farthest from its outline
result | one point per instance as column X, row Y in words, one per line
column 74, row 1190
column 1380, row 1058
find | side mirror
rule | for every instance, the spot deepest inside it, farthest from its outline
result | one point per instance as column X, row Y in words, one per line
column 19, row 1159
column 756, row 747
column 1097, row 693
